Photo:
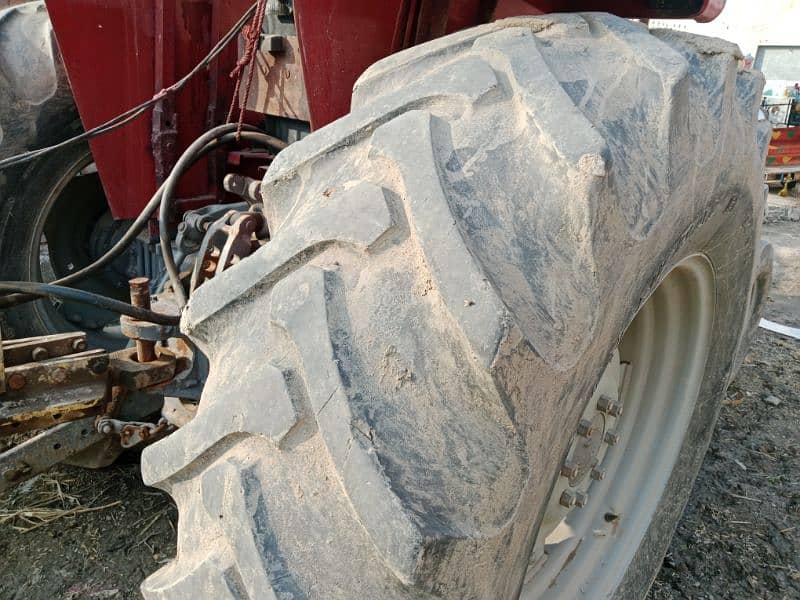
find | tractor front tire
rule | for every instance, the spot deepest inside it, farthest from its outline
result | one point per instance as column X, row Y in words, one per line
column 518, row 230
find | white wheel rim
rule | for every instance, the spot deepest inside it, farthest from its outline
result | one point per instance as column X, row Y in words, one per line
column 585, row 551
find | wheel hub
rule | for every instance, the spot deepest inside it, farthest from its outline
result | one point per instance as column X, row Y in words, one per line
column 617, row 462
column 583, row 463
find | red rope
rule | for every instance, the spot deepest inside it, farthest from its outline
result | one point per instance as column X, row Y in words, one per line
column 252, row 35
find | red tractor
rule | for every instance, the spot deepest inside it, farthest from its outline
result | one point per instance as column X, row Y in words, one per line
column 419, row 298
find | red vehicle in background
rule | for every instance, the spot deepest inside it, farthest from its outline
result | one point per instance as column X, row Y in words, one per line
column 408, row 262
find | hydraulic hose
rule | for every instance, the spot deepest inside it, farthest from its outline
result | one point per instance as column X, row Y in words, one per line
column 42, row 290
column 224, row 134
column 136, row 227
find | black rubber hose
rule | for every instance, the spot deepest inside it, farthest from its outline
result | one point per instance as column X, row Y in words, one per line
column 43, row 290
column 224, row 134
column 128, row 237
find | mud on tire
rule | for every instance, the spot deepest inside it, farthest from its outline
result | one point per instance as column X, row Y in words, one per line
column 395, row 377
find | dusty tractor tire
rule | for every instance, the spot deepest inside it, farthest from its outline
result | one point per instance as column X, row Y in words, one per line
column 56, row 221
column 53, row 198
column 36, row 104
column 508, row 218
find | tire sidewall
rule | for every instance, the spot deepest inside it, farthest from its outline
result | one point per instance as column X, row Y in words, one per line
column 24, row 214
column 732, row 281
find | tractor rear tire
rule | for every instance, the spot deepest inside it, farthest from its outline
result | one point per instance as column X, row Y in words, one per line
column 36, row 104
column 507, row 215
column 37, row 110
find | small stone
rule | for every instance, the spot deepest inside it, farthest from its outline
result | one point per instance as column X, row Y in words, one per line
column 773, row 400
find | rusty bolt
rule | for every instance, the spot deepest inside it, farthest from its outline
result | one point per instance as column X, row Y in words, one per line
column 79, row 345
column 16, row 381
column 140, row 292
column 140, row 296
column 39, row 353
column 607, row 405
column 567, row 499
column 569, row 470
column 598, row 474
column 581, row 499
column 611, row 438
column 585, row 428
column 98, row 365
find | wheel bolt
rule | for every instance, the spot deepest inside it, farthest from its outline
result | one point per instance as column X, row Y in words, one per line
column 585, row 428
column 567, row 499
column 607, row 405
column 569, row 470
column 581, row 499
column 611, row 438
column 39, row 353
column 598, row 474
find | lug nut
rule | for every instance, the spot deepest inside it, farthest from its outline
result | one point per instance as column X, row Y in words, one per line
column 39, row 353
column 581, row 499
column 598, row 474
column 79, row 345
column 585, row 428
column 611, row 438
column 607, row 405
column 569, row 470
column 567, row 499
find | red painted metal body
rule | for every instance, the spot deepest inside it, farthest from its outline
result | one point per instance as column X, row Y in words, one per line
column 121, row 52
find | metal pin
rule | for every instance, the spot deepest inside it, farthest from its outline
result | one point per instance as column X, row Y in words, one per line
column 140, row 296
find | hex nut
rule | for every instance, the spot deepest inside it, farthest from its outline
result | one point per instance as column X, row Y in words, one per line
column 598, row 474
column 581, row 499
column 569, row 470
column 611, row 438
column 585, row 428
column 39, row 353
column 608, row 406
column 98, row 365
column 567, row 499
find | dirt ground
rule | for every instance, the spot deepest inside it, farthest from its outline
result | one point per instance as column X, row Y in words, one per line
column 75, row 534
